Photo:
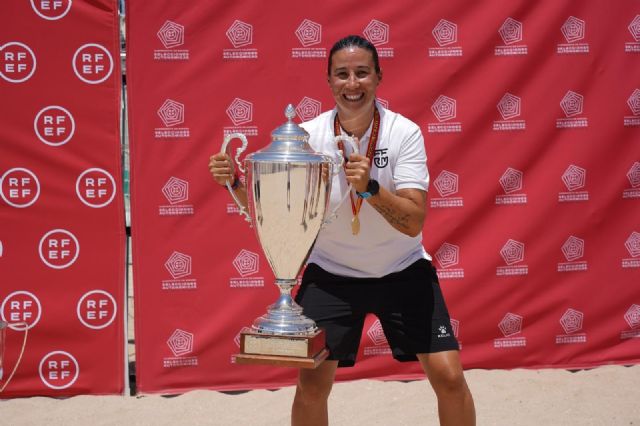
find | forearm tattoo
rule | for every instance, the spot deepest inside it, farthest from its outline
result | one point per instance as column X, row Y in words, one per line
column 393, row 217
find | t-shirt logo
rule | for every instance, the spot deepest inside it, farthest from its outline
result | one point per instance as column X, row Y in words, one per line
column 380, row 158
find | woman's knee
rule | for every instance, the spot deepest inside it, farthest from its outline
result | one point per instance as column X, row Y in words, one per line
column 315, row 385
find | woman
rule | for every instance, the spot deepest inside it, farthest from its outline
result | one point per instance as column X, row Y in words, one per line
column 371, row 259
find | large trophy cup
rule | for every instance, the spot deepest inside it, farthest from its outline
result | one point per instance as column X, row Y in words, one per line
column 288, row 190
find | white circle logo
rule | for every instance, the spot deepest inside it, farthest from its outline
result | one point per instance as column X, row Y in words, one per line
column 92, row 63
column 21, row 306
column 96, row 187
column 59, row 249
column 97, row 309
column 17, row 62
column 19, row 187
column 51, row 10
column 54, row 125
column 59, row 370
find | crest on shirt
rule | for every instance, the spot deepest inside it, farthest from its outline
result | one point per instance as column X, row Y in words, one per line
column 380, row 158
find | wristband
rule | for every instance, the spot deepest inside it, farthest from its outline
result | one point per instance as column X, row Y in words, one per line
column 236, row 182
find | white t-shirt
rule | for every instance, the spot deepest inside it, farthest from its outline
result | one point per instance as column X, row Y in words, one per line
column 399, row 162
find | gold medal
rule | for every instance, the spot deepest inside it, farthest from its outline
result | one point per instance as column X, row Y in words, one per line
column 355, row 225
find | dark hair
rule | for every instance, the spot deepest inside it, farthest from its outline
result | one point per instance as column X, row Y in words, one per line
column 354, row 41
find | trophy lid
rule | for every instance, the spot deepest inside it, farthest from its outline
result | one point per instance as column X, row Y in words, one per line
column 289, row 131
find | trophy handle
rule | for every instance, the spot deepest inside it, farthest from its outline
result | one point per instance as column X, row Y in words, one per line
column 227, row 139
column 15, row 367
column 354, row 148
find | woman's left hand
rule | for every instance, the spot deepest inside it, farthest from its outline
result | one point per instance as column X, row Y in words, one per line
column 357, row 171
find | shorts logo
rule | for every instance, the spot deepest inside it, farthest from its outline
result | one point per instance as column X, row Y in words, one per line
column 442, row 332
column 178, row 265
column 17, row 62
column 240, row 34
column 171, row 113
column 377, row 32
column 444, row 108
column 380, row 158
column 574, row 177
column 447, row 255
column 96, row 188
column 572, row 103
column 573, row 248
column 59, row 370
column 180, row 342
column 633, row 244
column 446, row 183
column 240, row 111
column 512, row 252
column 573, row 29
column 92, row 63
column 571, row 321
column 509, row 106
column 634, row 28
column 19, row 187
column 309, row 33
column 308, row 109
column 59, row 249
column 376, row 334
column 246, row 263
column 445, row 32
column 21, row 306
column 455, row 326
column 96, row 309
column 511, row 31
column 51, row 9
column 176, row 190
column 632, row 316
column 54, row 125
column 510, row 325
column 634, row 102
column 171, row 34
column 511, row 180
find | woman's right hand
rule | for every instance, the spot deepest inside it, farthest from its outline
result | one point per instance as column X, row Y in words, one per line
column 222, row 168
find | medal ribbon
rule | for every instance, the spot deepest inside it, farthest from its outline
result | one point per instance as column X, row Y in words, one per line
column 373, row 140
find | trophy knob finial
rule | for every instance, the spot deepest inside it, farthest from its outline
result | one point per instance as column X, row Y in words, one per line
column 290, row 112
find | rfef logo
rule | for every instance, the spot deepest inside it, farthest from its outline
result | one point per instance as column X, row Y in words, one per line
column 309, row 33
column 92, row 63
column 54, row 125
column 19, row 187
column 573, row 248
column 511, row 180
column 240, row 34
column 308, row 109
column 510, row 325
column 59, row 370
column 51, row 10
column 572, row 103
column 171, row 34
column 96, row 309
column 21, row 306
column 509, row 106
column 178, row 265
column 444, row 108
column 511, row 31
column 446, row 183
column 447, row 255
column 17, row 62
column 445, row 32
column 571, row 321
column 59, row 249
column 180, row 342
column 573, row 29
column 246, row 263
column 96, row 187
column 176, row 190
column 377, row 32
column 512, row 252
column 240, row 111
column 171, row 113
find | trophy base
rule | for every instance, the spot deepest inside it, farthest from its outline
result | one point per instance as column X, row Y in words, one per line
column 298, row 351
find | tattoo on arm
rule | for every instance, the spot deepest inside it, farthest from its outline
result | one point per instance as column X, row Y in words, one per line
column 394, row 219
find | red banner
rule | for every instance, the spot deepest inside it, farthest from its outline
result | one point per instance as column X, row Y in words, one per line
column 531, row 118
column 62, row 239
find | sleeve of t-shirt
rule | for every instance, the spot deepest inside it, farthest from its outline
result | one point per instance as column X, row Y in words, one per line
column 411, row 168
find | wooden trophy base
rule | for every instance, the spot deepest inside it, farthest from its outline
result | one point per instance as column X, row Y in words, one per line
column 283, row 351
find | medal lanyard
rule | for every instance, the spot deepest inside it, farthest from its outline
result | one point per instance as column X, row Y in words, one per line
column 373, row 139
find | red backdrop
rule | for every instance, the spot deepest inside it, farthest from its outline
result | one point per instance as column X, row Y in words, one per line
column 62, row 236
column 531, row 118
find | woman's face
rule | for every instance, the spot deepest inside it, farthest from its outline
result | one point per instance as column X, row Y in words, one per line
column 353, row 79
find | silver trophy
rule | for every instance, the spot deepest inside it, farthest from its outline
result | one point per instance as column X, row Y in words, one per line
column 288, row 190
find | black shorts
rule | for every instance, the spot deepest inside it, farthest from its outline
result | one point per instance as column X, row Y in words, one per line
column 409, row 305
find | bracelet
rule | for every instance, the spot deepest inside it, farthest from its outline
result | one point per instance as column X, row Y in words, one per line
column 236, row 182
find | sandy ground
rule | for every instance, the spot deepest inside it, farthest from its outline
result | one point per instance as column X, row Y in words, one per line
column 602, row 396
